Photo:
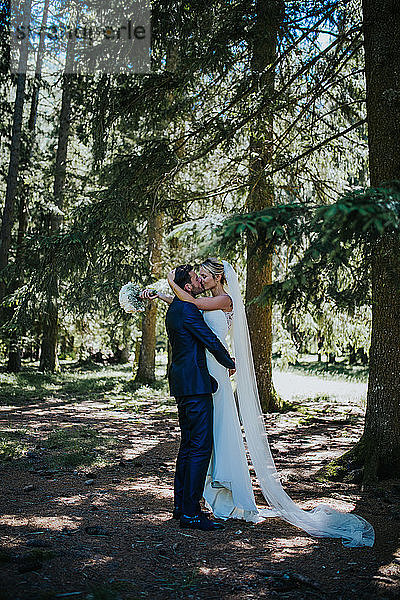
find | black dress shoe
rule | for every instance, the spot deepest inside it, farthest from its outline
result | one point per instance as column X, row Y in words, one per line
column 199, row 522
column 177, row 513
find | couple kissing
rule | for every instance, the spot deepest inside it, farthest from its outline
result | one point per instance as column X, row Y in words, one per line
column 212, row 460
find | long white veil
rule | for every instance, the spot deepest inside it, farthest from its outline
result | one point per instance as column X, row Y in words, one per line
column 322, row 521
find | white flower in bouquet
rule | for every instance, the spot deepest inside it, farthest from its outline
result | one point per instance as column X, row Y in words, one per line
column 129, row 298
column 161, row 286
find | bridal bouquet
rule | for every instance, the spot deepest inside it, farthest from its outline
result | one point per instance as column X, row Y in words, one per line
column 129, row 298
column 129, row 295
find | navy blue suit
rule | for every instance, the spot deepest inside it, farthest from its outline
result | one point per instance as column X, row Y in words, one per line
column 192, row 386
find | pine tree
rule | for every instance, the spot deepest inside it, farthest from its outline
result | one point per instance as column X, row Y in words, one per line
column 379, row 447
column 146, row 366
column 14, row 355
column 48, row 352
column 15, row 152
column 269, row 19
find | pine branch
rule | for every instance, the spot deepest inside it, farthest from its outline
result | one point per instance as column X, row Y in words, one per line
column 315, row 148
column 266, row 101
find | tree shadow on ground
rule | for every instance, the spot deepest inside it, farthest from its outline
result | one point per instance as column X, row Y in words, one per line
column 30, row 386
column 143, row 553
column 149, row 556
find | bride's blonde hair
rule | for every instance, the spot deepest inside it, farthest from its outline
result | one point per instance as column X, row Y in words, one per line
column 215, row 267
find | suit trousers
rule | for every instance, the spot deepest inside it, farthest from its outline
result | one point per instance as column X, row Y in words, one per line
column 196, row 424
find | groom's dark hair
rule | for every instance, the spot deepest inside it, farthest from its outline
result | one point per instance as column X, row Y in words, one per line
column 182, row 276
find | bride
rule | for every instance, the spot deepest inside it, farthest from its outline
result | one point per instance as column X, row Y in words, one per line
column 228, row 491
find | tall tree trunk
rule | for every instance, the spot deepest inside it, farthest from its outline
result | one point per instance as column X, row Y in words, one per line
column 137, row 354
column 12, row 177
column 259, row 269
column 48, row 354
column 38, row 74
column 378, row 451
column 147, row 356
column 14, row 354
column 381, row 436
column 125, row 351
column 147, row 353
column 27, row 152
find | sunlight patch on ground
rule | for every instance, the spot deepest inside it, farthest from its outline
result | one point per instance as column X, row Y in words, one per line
column 46, row 522
column 97, row 560
column 340, row 505
column 292, row 545
column 145, row 446
column 78, row 499
column 390, row 570
column 148, row 485
column 243, row 544
column 291, row 386
column 215, row 571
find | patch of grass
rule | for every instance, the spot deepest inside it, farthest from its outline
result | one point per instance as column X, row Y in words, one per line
column 18, row 389
column 74, row 446
column 72, row 385
column 13, row 444
column 332, row 472
column 286, row 406
column 89, row 386
column 309, row 420
column 134, row 386
column 342, row 371
column 297, row 404
column 320, row 398
column 135, row 395
column 76, row 383
column 112, row 384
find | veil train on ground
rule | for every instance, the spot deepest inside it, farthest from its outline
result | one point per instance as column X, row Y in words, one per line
column 321, row 521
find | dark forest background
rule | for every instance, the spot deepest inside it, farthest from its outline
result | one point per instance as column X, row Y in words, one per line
column 267, row 133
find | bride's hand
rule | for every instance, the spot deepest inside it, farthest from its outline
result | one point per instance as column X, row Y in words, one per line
column 171, row 276
column 148, row 295
column 232, row 371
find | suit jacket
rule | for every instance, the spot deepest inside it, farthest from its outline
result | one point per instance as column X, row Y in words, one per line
column 189, row 336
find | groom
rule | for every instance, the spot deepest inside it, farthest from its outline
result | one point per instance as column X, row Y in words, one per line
column 192, row 386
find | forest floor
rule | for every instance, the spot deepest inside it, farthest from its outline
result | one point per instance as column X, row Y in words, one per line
column 87, row 463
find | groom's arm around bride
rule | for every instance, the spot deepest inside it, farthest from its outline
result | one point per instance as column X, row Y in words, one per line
column 189, row 336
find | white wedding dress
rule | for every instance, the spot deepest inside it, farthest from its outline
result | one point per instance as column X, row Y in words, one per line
column 228, row 491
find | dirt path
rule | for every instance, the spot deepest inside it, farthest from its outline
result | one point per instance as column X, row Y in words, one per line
column 48, row 530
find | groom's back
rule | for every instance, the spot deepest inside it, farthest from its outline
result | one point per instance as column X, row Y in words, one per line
column 188, row 373
column 180, row 338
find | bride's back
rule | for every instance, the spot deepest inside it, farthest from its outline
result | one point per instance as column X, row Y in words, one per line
column 217, row 322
